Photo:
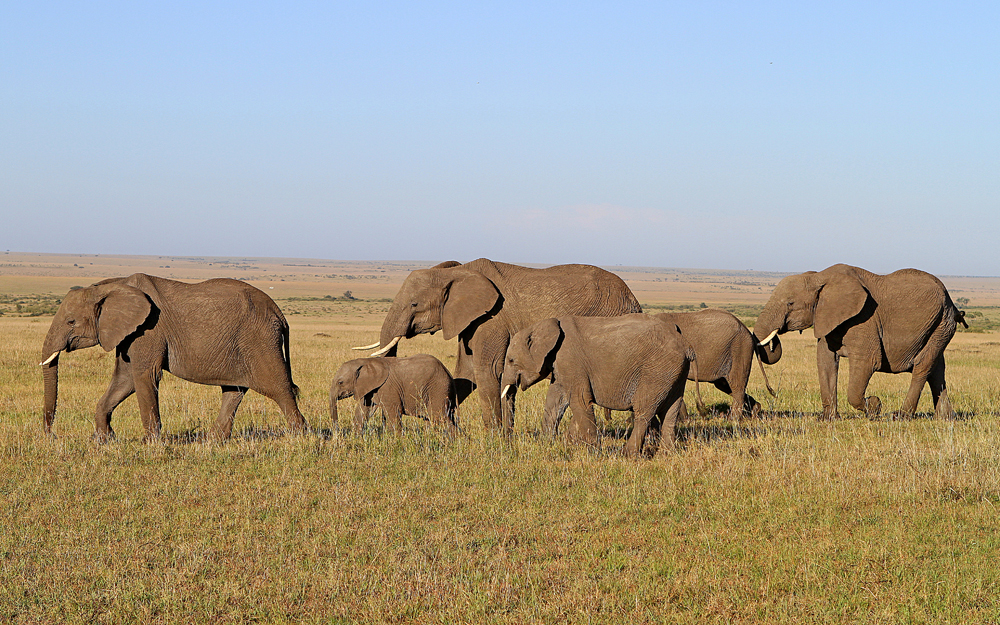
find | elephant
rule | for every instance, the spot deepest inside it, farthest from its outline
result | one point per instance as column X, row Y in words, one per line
column 895, row 323
column 484, row 303
column 628, row 362
column 220, row 332
column 415, row 385
column 725, row 351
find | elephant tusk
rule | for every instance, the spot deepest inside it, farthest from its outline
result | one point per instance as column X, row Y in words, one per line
column 505, row 390
column 364, row 347
column 50, row 358
column 391, row 344
column 769, row 338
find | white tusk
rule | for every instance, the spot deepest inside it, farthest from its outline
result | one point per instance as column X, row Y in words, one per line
column 372, row 346
column 391, row 344
column 50, row 359
column 769, row 338
column 503, row 393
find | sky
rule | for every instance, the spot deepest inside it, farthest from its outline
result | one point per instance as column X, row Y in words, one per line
column 724, row 135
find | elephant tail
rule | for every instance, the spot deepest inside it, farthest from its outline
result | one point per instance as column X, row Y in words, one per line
column 767, row 383
column 699, row 404
column 960, row 317
column 288, row 358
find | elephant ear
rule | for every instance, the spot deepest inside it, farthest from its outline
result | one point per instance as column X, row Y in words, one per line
column 372, row 374
column 841, row 298
column 468, row 297
column 120, row 311
column 542, row 339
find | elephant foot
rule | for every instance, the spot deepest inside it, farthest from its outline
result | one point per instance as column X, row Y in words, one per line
column 101, row 438
column 944, row 411
column 755, row 411
column 872, row 407
column 829, row 414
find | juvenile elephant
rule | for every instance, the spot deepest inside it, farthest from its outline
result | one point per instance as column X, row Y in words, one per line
column 484, row 303
column 725, row 349
column 630, row 362
column 220, row 332
column 417, row 386
column 889, row 323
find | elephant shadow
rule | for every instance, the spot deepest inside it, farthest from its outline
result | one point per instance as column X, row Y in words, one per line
column 196, row 434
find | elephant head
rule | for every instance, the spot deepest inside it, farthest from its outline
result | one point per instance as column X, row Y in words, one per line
column 357, row 378
column 529, row 355
column 104, row 314
column 823, row 300
column 446, row 297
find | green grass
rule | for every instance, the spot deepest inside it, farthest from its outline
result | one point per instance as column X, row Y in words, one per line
column 782, row 519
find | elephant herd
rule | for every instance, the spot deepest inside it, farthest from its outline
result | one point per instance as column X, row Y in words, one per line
column 577, row 326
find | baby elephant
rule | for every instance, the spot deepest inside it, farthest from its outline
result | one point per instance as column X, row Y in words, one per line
column 630, row 362
column 725, row 350
column 417, row 385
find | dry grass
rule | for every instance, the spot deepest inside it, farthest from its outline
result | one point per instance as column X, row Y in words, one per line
column 784, row 519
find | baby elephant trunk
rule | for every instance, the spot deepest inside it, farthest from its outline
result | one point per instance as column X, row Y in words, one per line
column 333, row 408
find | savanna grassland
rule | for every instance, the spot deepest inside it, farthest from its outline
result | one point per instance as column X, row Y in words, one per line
column 781, row 519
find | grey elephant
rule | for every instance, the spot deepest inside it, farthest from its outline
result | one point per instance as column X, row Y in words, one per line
column 888, row 323
column 220, row 332
column 725, row 350
column 416, row 385
column 629, row 362
column 484, row 303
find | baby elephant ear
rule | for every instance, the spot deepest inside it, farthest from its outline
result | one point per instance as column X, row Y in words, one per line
column 841, row 298
column 120, row 311
column 372, row 374
column 543, row 338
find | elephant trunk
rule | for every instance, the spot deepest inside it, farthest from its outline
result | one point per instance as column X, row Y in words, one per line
column 333, row 408
column 394, row 327
column 769, row 325
column 51, row 350
column 50, row 376
column 770, row 352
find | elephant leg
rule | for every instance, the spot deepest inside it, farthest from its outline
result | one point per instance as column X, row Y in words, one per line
column 675, row 410
column 361, row 413
column 231, row 398
column 923, row 365
column 640, row 426
column 281, row 391
column 860, row 375
column 556, row 403
column 583, row 426
column 488, row 350
column 121, row 387
column 147, row 391
column 285, row 398
column 828, row 362
column 939, row 391
column 392, row 409
column 751, row 407
column 492, row 403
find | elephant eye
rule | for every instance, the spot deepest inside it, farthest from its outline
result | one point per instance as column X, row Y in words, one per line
column 413, row 304
column 71, row 322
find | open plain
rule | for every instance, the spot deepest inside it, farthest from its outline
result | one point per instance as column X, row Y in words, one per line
column 781, row 519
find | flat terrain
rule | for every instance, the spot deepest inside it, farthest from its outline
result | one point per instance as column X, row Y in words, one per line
column 781, row 519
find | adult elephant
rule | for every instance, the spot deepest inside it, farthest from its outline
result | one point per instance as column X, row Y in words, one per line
column 629, row 362
column 484, row 303
column 221, row 332
column 895, row 323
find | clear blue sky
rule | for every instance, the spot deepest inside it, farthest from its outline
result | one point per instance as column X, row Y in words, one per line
column 773, row 136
